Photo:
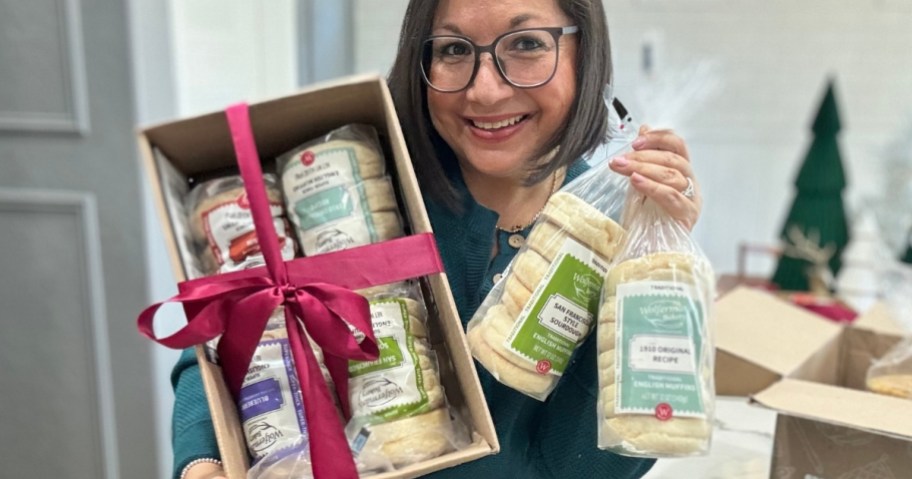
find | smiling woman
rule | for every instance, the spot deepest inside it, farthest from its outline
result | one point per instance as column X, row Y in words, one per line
column 494, row 128
column 498, row 102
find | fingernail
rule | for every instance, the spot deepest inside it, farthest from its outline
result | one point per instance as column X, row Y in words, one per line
column 640, row 141
column 619, row 161
column 637, row 178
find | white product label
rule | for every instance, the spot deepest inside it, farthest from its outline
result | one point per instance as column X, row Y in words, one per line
column 662, row 354
column 232, row 237
column 326, row 200
column 565, row 318
column 393, row 386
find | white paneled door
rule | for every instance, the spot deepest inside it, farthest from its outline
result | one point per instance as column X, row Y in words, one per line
column 75, row 396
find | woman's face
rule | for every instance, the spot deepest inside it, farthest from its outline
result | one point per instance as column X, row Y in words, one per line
column 493, row 127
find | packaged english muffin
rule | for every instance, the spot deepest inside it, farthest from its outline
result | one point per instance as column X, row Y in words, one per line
column 269, row 403
column 654, row 342
column 400, row 415
column 398, row 403
column 892, row 374
column 527, row 328
column 337, row 193
column 222, row 228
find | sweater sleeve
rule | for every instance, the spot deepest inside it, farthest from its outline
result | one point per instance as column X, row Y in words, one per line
column 192, row 433
column 567, row 436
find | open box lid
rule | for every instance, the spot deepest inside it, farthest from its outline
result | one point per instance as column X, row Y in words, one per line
column 761, row 339
column 879, row 319
column 861, row 410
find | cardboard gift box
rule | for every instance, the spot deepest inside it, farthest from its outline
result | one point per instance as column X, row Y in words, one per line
column 812, row 372
column 201, row 147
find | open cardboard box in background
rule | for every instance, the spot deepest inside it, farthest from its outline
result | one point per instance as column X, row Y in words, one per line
column 812, row 372
column 200, row 147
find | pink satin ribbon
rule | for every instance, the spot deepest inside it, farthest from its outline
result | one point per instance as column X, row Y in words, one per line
column 316, row 290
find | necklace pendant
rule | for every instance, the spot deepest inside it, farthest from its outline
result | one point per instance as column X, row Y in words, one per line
column 520, row 227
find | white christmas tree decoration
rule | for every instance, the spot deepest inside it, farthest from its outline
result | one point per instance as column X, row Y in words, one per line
column 894, row 208
column 863, row 263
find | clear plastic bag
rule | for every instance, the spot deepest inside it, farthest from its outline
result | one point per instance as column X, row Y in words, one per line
column 892, row 373
column 655, row 348
column 398, row 403
column 222, row 227
column 294, row 462
column 529, row 325
column 400, row 415
column 291, row 463
column 222, row 231
column 269, row 403
column 337, row 193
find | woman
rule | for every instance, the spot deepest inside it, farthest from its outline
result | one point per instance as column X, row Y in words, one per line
column 491, row 140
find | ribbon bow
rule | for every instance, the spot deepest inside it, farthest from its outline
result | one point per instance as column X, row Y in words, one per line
column 316, row 295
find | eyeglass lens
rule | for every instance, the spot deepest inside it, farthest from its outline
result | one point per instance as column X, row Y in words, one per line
column 525, row 58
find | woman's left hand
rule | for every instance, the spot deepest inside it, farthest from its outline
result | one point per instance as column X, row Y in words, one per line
column 659, row 167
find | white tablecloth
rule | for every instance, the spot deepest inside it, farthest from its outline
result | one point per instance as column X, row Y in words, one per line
column 741, row 448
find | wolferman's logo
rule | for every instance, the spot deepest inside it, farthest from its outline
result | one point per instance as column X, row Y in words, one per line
column 667, row 314
column 586, row 286
column 308, row 158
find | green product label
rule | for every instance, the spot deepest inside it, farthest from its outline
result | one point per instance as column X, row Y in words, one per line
column 323, row 207
column 558, row 316
column 659, row 341
column 392, row 386
column 390, row 357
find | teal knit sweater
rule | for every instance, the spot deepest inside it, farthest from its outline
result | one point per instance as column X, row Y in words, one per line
column 551, row 439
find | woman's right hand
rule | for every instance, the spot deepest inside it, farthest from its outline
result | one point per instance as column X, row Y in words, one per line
column 659, row 167
column 206, row 470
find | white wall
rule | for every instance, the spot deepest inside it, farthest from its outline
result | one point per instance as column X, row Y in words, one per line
column 227, row 52
column 748, row 138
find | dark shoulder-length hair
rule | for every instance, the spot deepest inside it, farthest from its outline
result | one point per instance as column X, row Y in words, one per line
column 579, row 135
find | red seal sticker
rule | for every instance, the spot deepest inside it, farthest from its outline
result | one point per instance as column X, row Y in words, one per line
column 307, row 158
column 543, row 366
column 664, row 412
column 243, row 202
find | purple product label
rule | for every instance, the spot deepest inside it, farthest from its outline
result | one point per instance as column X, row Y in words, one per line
column 271, row 406
column 260, row 398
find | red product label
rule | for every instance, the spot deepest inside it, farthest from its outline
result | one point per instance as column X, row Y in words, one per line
column 664, row 411
column 243, row 246
column 543, row 366
column 307, row 158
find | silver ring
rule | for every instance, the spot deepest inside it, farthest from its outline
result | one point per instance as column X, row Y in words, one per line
column 689, row 191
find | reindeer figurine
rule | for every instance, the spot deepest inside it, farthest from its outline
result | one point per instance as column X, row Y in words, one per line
column 808, row 248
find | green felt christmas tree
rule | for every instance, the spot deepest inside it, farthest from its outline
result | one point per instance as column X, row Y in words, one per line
column 817, row 217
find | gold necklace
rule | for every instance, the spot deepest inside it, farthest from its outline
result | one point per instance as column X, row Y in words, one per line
column 520, row 227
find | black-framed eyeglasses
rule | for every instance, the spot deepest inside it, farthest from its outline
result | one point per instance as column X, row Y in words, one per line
column 525, row 58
